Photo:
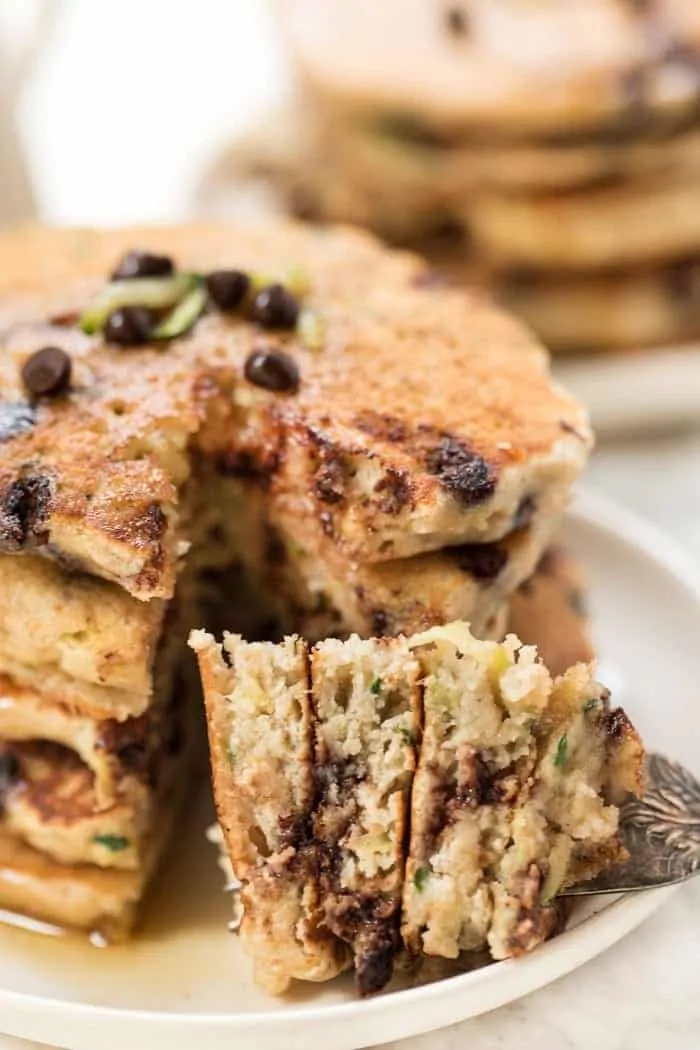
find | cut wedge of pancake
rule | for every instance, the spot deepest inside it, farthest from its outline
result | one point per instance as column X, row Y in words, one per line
column 261, row 740
column 366, row 704
column 514, row 796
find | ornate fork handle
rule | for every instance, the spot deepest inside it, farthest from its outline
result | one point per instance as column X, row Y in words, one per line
column 661, row 832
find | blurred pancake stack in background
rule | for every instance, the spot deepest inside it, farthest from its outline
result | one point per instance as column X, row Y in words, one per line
column 550, row 149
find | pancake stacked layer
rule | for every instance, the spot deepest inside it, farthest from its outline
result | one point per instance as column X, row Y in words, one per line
column 357, row 449
column 95, row 743
column 550, row 149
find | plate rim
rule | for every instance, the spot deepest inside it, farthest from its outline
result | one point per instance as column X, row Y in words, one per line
column 567, row 951
column 652, row 395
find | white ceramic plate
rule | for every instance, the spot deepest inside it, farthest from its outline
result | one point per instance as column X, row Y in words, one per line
column 184, row 982
column 638, row 391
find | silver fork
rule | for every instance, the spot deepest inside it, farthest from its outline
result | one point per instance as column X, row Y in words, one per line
column 661, row 832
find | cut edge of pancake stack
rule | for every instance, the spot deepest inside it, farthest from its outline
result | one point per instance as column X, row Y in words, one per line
column 432, row 794
column 97, row 741
column 549, row 150
column 368, row 494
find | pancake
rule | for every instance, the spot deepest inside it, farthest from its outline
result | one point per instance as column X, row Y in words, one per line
column 502, row 69
column 549, row 612
column 114, row 752
column 612, row 225
column 329, row 595
column 616, row 310
column 394, row 459
column 61, row 626
column 99, row 901
column 515, row 795
column 50, row 803
column 261, row 742
column 297, row 575
column 407, row 187
column 365, row 698
column 443, row 174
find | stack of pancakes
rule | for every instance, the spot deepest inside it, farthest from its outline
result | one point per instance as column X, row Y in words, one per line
column 93, row 745
column 406, row 466
column 550, row 149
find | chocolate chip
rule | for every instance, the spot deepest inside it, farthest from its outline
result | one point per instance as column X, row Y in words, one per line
column 682, row 281
column 227, row 288
column 456, row 21
column 375, row 967
column 461, row 471
column 129, row 326
column 483, row 561
column 9, row 773
column 448, row 231
column 329, row 483
column 143, row 264
column 395, row 491
column 134, row 756
column 273, row 370
column 474, row 778
column 275, row 549
column 15, row 418
column 616, row 724
column 380, row 622
column 23, row 506
column 275, row 307
column 47, row 372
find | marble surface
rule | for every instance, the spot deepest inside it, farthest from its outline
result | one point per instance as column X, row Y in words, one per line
column 644, row 993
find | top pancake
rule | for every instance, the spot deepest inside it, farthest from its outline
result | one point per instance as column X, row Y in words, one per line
column 502, row 66
column 425, row 420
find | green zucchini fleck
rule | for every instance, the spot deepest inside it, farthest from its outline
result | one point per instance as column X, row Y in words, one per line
column 184, row 315
column 562, row 751
column 420, row 877
column 115, row 843
column 155, row 293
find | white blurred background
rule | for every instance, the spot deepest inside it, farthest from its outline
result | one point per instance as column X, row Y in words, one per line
column 117, row 105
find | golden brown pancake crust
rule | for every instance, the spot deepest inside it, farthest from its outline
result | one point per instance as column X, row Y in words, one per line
column 420, row 423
